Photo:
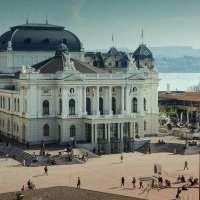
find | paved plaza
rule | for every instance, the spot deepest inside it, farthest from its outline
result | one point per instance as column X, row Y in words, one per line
column 104, row 174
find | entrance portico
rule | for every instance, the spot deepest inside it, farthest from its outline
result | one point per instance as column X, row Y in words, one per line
column 109, row 134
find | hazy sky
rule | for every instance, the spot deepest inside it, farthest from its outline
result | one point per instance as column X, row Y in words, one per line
column 165, row 22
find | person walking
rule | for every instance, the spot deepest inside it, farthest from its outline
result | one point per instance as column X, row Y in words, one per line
column 46, row 170
column 121, row 158
column 134, row 182
column 122, row 181
column 140, row 184
column 22, row 188
column 24, row 163
column 186, row 165
column 78, row 183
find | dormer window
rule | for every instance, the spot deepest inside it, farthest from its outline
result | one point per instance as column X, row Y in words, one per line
column 64, row 41
column 134, row 89
column 27, row 41
column 45, row 41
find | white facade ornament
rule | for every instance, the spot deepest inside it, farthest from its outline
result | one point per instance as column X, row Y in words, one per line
column 23, row 69
column 9, row 48
column 68, row 64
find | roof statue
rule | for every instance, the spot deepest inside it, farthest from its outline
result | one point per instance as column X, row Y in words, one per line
column 9, row 48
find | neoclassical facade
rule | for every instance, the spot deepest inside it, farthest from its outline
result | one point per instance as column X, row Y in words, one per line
column 101, row 100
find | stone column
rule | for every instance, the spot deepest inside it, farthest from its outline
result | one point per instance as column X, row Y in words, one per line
column 122, row 99
column 110, row 100
column 131, row 129
column 80, row 101
column 97, row 100
column 65, row 109
column 122, row 131
column 84, row 101
column 122, row 137
column 141, row 101
column 92, row 133
column 181, row 117
column 109, row 132
column 96, row 133
column 108, row 138
column 106, row 131
column 187, row 114
column 127, row 99
column 118, row 131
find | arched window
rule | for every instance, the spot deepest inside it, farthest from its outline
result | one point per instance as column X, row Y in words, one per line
column 8, row 103
column 23, row 132
column 46, row 130
column 8, row 125
column 71, row 90
column 17, row 128
column 3, row 102
column 134, row 105
column 45, row 107
column 116, row 64
column 15, row 104
column 95, row 63
column 18, row 106
column 145, row 104
column 145, row 125
column 60, row 106
column 59, row 133
column 64, row 41
column 27, row 41
column 72, row 131
column 88, row 106
column 114, row 105
column 101, row 105
column 136, row 128
column 45, row 41
column 72, row 106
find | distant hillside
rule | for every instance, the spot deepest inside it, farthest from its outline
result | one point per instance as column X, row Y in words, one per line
column 175, row 51
column 177, row 59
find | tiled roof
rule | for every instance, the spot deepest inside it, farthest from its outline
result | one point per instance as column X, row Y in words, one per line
column 180, row 96
column 57, row 63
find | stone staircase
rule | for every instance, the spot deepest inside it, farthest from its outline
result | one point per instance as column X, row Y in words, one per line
column 78, row 152
column 17, row 154
column 190, row 150
column 167, row 147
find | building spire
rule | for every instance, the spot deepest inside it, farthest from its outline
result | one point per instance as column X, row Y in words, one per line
column 27, row 21
column 112, row 40
column 46, row 21
column 142, row 36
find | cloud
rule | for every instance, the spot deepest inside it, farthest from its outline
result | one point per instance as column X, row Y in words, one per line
column 76, row 8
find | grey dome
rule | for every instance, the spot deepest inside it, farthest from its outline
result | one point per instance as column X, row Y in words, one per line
column 39, row 37
column 113, row 51
column 142, row 52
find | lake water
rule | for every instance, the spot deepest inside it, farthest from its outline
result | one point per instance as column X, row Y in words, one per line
column 178, row 81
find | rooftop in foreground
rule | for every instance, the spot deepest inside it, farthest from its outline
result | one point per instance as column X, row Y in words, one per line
column 62, row 193
column 180, row 96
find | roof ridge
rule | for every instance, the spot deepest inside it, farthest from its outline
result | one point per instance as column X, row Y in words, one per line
column 50, row 60
column 93, row 68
